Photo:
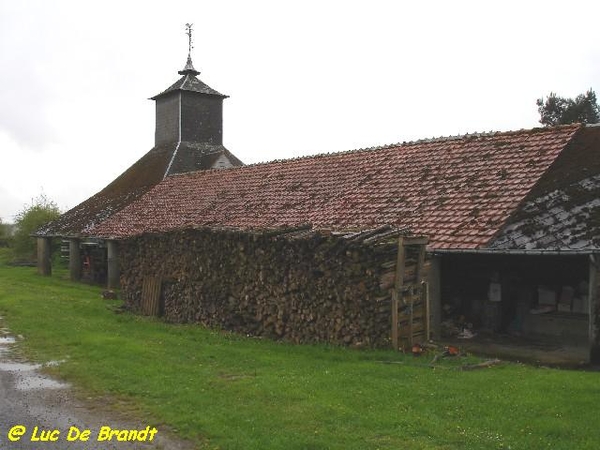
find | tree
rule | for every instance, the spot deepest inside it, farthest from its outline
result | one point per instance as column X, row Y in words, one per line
column 41, row 211
column 4, row 234
column 557, row 110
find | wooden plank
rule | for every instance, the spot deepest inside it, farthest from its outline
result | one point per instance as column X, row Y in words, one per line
column 417, row 328
column 415, row 296
column 416, row 317
column 156, row 297
column 151, row 288
column 410, row 273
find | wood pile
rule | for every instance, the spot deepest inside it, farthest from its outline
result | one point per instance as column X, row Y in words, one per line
column 299, row 285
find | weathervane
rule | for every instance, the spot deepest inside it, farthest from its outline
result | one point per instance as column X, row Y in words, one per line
column 188, row 31
column 189, row 67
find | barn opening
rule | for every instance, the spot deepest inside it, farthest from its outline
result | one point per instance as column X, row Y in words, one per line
column 527, row 297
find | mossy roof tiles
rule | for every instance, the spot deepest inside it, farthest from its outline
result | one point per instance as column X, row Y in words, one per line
column 161, row 161
column 460, row 191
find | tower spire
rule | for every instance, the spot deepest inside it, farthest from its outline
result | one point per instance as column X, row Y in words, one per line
column 189, row 67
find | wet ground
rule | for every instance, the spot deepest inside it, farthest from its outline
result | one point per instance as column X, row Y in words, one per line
column 39, row 412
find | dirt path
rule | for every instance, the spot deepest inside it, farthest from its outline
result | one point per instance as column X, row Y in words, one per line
column 29, row 399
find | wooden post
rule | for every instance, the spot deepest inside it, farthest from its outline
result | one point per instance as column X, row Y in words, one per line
column 113, row 265
column 435, row 296
column 395, row 319
column 411, row 318
column 427, row 308
column 44, row 265
column 593, row 312
column 424, row 300
column 74, row 260
column 398, row 282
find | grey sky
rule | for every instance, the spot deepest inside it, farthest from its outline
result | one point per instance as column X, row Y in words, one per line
column 303, row 77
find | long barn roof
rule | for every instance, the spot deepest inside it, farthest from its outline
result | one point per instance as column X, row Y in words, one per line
column 460, row 191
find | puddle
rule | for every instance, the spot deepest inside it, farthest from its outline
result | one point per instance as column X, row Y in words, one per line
column 17, row 367
column 27, row 377
column 5, row 340
column 37, row 381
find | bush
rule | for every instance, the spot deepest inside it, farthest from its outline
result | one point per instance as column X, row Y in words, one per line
column 41, row 211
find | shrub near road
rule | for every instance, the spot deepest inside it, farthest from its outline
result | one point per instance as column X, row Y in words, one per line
column 232, row 392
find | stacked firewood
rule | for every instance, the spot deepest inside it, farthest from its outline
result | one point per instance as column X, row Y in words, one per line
column 299, row 285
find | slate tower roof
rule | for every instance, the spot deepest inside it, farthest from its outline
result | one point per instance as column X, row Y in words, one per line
column 189, row 82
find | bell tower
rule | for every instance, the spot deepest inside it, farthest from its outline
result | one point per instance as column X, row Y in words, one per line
column 189, row 110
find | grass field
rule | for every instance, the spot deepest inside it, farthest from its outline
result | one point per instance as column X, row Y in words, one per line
column 231, row 392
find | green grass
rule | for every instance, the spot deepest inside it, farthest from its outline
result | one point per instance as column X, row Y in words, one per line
column 226, row 391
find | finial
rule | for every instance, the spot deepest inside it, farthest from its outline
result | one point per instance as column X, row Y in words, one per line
column 189, row 67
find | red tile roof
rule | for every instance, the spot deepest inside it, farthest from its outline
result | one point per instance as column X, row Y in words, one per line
column 459, row 191
column 135, row 181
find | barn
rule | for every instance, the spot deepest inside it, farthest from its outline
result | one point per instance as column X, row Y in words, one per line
column 493, row 235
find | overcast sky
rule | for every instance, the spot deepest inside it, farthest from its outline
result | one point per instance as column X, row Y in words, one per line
column 303, row 77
